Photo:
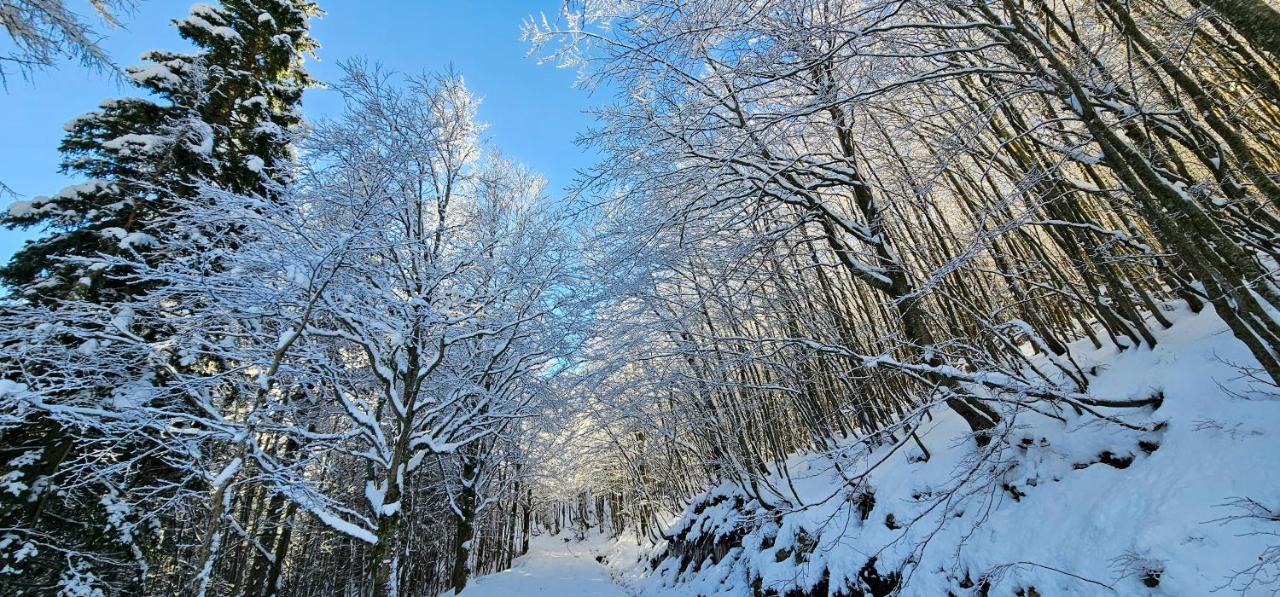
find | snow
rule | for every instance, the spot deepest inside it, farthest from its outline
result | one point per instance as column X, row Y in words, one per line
column 11, row 482
column 1059, row 506
column 204, row 134
column 20, row 209
column 206, row 10
column 556, row 566
column 88, row 187
column 338, row 524
column 149, row 72
column 137, row 239
column 10, row 387
column 199, row 22
column 130, row 143
column 227, row 33
column 123, row 320
column 254, row 164
column 376, row 493
column 227, row 472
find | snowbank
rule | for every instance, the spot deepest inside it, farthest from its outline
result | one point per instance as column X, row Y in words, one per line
column 1072, row 507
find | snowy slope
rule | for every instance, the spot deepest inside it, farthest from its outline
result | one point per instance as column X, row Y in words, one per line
column 1078, row 507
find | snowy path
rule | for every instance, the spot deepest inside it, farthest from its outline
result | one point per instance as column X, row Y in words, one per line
column 552, row 567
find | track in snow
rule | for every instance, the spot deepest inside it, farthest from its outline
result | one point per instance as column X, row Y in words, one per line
column 553, row 567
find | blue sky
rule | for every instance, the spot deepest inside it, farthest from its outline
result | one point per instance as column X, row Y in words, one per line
column 532, row 110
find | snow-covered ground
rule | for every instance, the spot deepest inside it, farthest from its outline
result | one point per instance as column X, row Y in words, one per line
column 1076, row 506
column 555, row 567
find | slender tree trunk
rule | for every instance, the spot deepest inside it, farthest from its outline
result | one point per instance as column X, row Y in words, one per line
column 464, row 523
column 284, row 537
column 526, row 526
column 1257, row 20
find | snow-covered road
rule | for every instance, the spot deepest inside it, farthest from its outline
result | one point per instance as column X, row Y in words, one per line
column 552, row 567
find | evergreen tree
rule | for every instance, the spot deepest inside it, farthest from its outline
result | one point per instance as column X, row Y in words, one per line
column 222, row 116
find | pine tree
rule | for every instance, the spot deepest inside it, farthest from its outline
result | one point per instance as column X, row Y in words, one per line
column 222, row 116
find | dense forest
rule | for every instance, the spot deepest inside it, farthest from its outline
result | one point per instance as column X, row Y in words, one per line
column 830, row 250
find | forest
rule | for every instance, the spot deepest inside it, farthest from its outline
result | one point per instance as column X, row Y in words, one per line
column 857, row 298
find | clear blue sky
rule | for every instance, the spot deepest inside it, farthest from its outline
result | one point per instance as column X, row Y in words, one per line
column 533, row 112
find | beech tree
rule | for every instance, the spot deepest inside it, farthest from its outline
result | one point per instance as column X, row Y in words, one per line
column 824, row 218
column 451, row 309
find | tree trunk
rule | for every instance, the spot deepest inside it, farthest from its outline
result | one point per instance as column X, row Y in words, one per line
column 464, row 523
column 1256, row 20
column 526, row 527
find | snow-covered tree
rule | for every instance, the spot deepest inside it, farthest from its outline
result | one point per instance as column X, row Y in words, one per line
column 221, row 117
column 824, row 219
column 130, row 400
column 224, row 114
column 391, row 314
column 449, row 309
column 376, row 363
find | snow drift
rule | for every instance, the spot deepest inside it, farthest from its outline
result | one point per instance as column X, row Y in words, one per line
column 1183, row 503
